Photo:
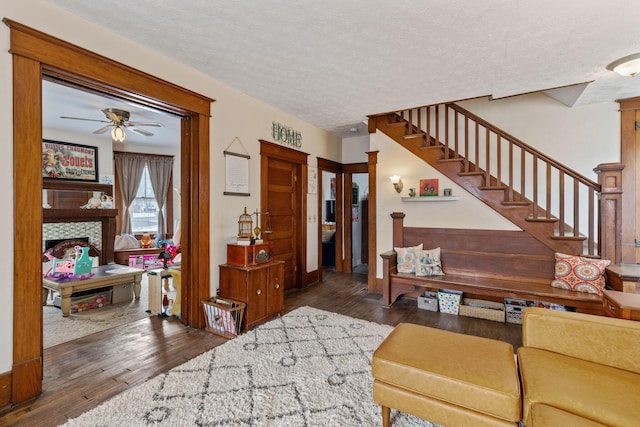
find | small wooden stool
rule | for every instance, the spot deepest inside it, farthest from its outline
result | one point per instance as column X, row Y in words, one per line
column 447, row 378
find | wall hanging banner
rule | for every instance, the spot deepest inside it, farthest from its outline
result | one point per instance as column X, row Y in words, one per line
column 236, row 172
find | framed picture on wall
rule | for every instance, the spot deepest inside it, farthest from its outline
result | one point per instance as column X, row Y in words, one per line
column 64, row 160
column 428, row 187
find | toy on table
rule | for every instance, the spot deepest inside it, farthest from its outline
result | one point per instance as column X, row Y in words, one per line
column 78, row 267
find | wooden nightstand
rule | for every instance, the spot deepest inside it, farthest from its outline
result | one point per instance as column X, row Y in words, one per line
column 624, row 305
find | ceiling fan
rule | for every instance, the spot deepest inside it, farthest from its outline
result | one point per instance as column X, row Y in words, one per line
column 119, row 120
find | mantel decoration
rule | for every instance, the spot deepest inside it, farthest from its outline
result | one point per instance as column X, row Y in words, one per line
column 64, row 160
column 236, row 171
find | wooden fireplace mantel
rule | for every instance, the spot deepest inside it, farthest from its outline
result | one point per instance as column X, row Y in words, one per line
column 106, row 216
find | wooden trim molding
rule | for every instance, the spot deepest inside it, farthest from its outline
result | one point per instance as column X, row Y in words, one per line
column 629, row 156
column 372, row 162
column 5, row 392
column 35, row 55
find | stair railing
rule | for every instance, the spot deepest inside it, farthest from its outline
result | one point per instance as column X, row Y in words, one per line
column 554, row 192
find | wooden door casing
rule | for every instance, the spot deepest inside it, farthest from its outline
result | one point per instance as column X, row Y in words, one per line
column 36, row 55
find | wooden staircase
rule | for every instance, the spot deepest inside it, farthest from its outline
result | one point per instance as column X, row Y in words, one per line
column 546, row 199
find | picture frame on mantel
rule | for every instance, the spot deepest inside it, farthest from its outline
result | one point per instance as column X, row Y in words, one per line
column 69, row 162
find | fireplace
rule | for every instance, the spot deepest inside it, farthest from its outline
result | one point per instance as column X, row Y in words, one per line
column 49, row 244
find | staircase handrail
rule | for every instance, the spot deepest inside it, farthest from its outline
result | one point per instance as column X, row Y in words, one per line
column 538, row 154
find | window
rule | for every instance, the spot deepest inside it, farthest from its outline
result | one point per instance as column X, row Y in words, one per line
column 144, row 209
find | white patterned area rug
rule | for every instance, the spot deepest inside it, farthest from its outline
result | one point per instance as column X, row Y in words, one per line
column 306, row 368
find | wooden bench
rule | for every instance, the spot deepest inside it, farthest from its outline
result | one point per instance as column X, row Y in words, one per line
column 489, row 264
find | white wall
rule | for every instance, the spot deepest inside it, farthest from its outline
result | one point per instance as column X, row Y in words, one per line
column 234, row 115
column 579, row 137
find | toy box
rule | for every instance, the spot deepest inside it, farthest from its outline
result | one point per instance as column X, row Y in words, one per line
column 122, row 293
column 144, row 261
column 428, row 301
column 449, row 301
column 514, row 309
column 91, row 301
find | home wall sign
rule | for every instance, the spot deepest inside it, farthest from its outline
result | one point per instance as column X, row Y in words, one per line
column 63, row 160
column 286, row 135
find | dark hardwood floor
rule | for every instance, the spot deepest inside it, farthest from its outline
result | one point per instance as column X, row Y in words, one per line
column 81, row 374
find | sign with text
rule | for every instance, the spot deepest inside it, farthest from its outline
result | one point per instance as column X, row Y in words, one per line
column 63, row 160
column 286, row 135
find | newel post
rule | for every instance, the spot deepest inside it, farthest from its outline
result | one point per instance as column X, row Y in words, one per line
column 610, row 211
column 398, row 225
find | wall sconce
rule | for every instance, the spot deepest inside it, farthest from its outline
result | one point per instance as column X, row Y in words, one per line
column 627, row 66
column 397, row 182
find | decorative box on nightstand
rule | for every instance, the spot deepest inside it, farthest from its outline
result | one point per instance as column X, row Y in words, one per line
column 246, row 256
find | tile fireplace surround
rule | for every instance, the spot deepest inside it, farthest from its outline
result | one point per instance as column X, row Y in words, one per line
column 71, row 230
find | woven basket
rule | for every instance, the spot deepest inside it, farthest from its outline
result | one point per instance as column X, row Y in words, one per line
column 481, row 309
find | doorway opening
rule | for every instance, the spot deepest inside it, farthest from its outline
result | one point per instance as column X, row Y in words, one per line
column 360, row 223
column 38, row 54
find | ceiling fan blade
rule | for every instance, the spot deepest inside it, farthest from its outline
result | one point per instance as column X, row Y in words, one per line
column 140, row 131
column 102, row 129
column 156, row 124
column 88, row 120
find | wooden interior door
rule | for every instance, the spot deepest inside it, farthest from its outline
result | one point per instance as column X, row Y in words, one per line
column 282, row 205
column 282, row 173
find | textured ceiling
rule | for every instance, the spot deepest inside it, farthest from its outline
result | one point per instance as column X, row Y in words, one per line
column 333, row 62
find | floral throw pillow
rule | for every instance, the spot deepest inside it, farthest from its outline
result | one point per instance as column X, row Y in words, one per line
column 407, row 258
column 580, row 274
column 428, row 263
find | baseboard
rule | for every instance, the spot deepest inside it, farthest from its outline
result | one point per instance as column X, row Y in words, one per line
column 5, row 392
column 310, row 278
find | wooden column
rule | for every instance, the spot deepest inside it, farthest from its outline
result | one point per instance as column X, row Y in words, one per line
column 610, row 210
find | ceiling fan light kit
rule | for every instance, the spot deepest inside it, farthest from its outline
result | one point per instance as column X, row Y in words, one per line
column 119, row 120
column 627, row 66
column 118, row 134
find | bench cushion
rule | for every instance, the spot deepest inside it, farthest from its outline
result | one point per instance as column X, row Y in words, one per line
column 475, row 373
column 597, row 392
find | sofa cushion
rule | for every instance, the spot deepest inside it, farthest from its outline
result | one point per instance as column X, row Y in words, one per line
column 407, row 258
column 428, row 262
column 471, row 372
column 596, row 392
column 598, row 339
column 545, row 415
column 577, row 273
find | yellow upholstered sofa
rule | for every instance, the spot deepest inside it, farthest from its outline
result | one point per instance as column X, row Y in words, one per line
column 579, row 369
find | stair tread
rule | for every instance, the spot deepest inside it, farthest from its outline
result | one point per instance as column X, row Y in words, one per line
column 490, row 188
column 470, row 173
column 575, row 238
column 541, row 219
column 516, row 203
column 413, row 135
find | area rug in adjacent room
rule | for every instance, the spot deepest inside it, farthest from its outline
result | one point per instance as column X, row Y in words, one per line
column 58, row 329
column 306, row 368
